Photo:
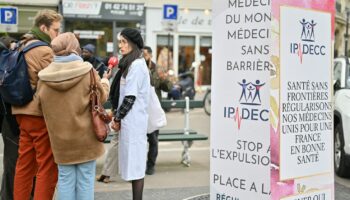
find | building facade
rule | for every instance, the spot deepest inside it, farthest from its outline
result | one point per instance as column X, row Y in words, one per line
column 26, row 13
column 342, row 8
column 98, row 22
column 176, row 45
column 184, row 43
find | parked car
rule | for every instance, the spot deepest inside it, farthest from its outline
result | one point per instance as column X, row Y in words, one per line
column 341, row 84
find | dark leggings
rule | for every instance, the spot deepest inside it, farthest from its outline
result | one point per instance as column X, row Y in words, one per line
column 137, row 189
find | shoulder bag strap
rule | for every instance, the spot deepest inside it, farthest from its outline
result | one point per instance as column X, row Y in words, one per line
column 93, row 89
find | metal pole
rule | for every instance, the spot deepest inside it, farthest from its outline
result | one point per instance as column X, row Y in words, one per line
column 187, row 116
column 186, row 158
column 115, row 41
column 347, row 33
column 60, row 10
column 168, row 52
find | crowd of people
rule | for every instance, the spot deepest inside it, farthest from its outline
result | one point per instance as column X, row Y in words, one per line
column 49, row 143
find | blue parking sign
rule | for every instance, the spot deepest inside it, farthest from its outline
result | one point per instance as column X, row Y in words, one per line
column 170, row 12
column 8, row 15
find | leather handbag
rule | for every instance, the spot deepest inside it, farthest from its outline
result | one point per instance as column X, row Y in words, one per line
column 100, row 118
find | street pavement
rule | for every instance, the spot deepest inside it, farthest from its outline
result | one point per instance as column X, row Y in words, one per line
column 172, row 180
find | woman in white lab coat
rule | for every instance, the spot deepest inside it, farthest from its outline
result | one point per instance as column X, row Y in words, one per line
column 129, row 97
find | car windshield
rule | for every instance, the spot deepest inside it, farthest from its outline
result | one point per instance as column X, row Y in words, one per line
column 337, row 74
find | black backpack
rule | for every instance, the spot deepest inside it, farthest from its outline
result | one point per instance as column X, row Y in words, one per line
column 15, row 87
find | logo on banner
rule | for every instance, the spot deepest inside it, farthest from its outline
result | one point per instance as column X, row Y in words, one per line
column 250, row 104
column 308, row 30
column 308, row 44
column 250, row 92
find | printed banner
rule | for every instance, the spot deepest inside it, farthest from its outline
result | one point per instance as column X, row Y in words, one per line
column 301, row 114
column 271, row 84
column 240, row 144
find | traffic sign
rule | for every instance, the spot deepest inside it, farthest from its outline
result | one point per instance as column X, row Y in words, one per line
column 170, row 12
column 8, row 15
column 8, row 19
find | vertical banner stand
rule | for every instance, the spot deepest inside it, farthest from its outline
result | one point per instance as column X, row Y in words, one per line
column 272, row 115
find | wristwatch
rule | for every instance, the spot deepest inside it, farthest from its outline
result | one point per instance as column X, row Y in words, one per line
column 116, row 120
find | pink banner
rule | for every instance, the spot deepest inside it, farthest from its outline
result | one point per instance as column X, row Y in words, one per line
column 302, row 17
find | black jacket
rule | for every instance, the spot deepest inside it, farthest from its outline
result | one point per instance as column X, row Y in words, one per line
column 98, row 65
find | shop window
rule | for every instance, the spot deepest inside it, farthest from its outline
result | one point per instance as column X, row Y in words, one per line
column 165, row 45
column 131, row 24
column 186, row 53
column 97, row 33
column 204, row 71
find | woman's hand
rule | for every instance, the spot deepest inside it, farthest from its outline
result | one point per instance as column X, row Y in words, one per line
column 115, row 125
column 107, row 74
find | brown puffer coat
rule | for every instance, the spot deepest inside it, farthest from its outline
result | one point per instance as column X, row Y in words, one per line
column 63, row 93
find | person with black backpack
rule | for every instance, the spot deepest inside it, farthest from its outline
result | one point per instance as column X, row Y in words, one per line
column 10, row 135
column 35, row 156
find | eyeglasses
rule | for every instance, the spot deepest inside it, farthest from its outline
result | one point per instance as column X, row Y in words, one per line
column 56, row 30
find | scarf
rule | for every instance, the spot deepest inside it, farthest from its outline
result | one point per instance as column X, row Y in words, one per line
column 115, row 87
column 38, row 34
column 71, row 57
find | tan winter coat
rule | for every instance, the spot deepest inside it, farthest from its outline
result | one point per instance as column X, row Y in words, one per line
column 63, row 93
column 37, row 59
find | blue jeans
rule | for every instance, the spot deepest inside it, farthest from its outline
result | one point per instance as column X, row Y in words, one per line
column 76, row 182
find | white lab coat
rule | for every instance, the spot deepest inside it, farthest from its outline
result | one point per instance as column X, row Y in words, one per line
column 133, row 133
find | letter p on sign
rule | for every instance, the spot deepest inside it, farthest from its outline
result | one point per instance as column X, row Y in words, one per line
column 8, row 15
column 170, row 12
